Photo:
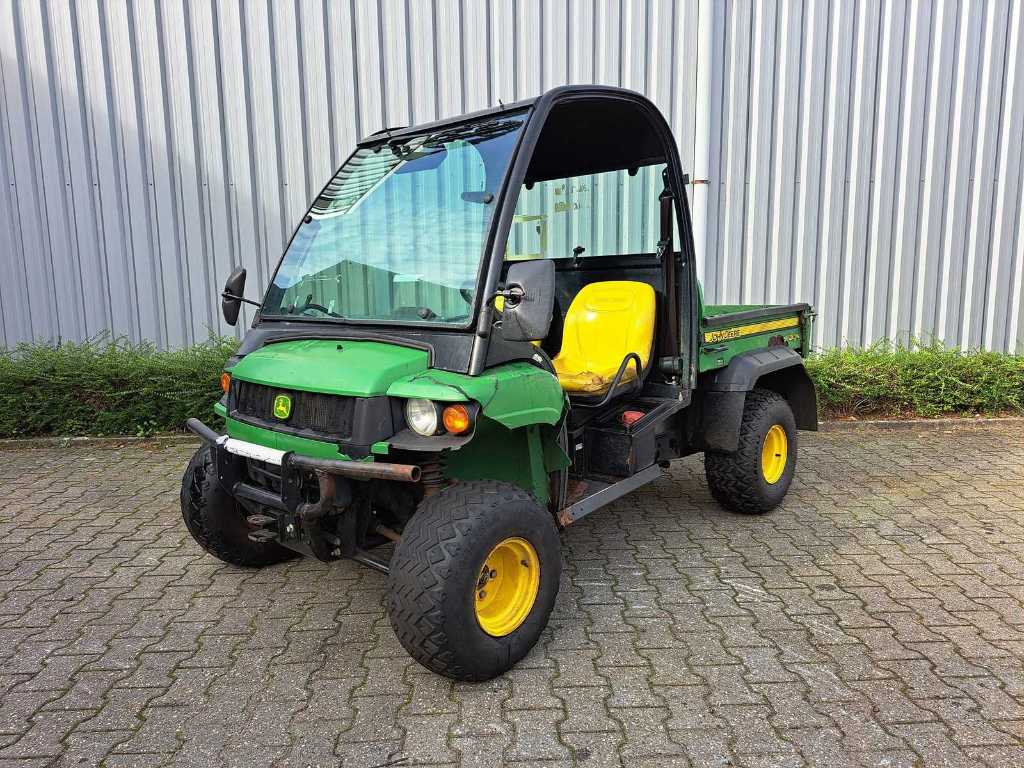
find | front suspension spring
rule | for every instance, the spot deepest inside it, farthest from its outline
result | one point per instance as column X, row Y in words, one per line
column 432, row 474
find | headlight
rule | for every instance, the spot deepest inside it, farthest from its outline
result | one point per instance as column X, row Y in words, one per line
column 422, row 416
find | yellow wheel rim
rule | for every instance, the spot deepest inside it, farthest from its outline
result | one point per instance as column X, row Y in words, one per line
column 507, row 586
column 774, row 453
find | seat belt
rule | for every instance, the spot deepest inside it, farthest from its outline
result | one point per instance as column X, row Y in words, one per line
column 669, row 336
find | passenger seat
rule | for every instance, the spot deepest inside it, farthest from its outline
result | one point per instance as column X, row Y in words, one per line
column 605, row 322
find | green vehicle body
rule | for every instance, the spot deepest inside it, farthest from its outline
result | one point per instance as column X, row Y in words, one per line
column 571, row 379
column 520, row 404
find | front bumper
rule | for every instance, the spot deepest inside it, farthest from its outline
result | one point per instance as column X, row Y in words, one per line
column 295, row 521
column 354, row 470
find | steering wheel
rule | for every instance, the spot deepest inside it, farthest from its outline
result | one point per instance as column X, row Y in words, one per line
column 312, row 305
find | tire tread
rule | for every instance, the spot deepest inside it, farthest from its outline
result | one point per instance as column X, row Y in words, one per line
column 423, row 562
column 199, row 493
column 734, row 478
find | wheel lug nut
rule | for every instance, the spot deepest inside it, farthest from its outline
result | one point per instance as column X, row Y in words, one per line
column 482, row 594
column 493, row 574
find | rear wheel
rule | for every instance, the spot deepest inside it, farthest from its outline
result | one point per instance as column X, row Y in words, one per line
column 217, row 522
column 755, row 478
column 474, row 578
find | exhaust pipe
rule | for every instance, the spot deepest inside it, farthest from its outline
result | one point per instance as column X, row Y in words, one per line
column 359, row 470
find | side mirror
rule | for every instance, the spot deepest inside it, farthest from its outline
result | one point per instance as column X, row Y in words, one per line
column 529, row 300
column 231, row 299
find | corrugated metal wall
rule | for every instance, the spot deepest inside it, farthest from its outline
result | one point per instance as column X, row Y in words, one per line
column 862, row 155
column 868, row 155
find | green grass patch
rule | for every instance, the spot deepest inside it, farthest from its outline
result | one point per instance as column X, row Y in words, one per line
column 920, row 380
column 108, row 387
column 113, row 387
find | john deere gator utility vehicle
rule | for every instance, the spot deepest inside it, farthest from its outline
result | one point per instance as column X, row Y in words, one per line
column 484, row 329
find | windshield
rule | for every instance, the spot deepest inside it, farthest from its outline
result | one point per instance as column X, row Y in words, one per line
column 398, row 233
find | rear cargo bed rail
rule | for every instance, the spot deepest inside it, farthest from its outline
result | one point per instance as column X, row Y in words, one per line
column 719, row 321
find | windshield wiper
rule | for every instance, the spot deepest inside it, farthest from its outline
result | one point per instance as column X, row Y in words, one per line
column 284, row 317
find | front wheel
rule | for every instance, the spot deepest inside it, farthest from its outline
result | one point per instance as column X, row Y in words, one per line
column 217, row 521
column 474, row 578
column 756, row 476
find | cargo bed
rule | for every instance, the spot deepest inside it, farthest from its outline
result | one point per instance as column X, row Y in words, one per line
column 728, row 330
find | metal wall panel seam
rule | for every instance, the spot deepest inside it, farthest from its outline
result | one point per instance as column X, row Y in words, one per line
column 1016, row 249
column 1001, row 183
column 702, row 114
column 828, row 205
column 944, row 299
column 753, row 221
column 929, row 171
column 805, row 124
column 980, row 180
column 854, row 181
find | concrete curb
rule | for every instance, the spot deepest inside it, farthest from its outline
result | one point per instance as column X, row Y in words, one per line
column 839, row 425
column 963, row 422
column 21, row 443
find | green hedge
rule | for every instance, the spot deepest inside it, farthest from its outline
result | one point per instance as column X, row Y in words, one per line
column 932, row 380
column 102, row 387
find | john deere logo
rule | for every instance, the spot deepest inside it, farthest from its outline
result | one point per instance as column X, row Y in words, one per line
column 282, row 407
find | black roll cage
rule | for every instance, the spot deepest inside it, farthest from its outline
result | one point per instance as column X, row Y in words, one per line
column 489, row 274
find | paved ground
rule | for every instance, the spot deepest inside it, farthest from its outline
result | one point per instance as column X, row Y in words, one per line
column 876, row 619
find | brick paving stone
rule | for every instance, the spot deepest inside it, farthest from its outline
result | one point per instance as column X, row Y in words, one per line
column 875, row 619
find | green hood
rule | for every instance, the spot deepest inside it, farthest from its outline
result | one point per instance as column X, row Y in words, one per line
column 355, row 368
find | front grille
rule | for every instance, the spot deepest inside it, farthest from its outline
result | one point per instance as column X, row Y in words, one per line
column 328, row 415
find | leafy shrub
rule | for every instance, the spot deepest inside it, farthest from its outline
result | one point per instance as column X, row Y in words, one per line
column 922, row 380
column 114, row 387
column 108, row 387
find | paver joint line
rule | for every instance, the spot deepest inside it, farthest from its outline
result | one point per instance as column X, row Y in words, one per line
column 876, row 618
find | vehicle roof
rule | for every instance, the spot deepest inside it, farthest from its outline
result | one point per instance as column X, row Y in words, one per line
column 387, row 134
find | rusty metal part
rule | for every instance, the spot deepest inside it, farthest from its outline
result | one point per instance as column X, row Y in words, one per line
column 356, row 470
column 387, row 533
column 432, row 474
column 605, row 493
column 365, row 558
column 359, row 470
column 577, row 490
column 310, row 515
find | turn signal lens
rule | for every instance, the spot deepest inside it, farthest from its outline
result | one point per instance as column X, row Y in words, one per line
column 225, row 381
column 457, row 419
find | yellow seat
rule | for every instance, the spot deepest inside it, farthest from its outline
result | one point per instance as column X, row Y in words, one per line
column 604, row 323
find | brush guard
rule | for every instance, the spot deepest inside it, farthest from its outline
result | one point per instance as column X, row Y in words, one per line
column 294, row 521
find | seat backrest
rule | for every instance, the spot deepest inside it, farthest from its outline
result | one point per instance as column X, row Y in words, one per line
column 606, row 321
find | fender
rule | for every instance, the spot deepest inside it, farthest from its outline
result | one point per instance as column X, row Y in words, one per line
column 779, row 369
column 516, row 438
column 514, row 394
